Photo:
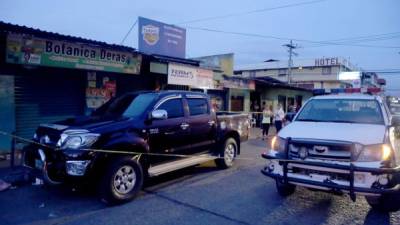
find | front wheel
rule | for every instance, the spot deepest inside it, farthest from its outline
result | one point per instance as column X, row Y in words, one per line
column 228, row 154
column 385, row 202
column 122, row 181
column 283, row 189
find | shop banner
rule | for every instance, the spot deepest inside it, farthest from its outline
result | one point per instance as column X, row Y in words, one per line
column 160, row 38
column 182, row 75
column 97, row 95
column 45, row 52
column 205, row 79
column 238, row 83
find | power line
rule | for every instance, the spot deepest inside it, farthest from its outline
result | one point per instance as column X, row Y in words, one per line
column 123, row 39
column 250, row 12
column 366, row 36
column 370, row 38
column 286, row 38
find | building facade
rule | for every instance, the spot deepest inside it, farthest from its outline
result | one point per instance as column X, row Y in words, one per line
column 47, row 77
column 318, row 74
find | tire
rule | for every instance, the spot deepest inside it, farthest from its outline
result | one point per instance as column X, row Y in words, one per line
column 384, row 203
column 284, row 190
column 227, row 154
column 122, row 181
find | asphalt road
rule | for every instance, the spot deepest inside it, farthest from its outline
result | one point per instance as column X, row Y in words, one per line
column 200, row 195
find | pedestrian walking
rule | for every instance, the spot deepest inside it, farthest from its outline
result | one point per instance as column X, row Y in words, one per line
column 279, row 116
column 266, row 121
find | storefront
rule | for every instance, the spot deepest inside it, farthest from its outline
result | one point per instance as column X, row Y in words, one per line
column 47, row 77
column 159, row 67
column 239, row 90
column 271, row 92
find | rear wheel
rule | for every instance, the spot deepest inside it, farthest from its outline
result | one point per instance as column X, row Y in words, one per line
column 228, row 154
column 283, row 189
column 122, row 181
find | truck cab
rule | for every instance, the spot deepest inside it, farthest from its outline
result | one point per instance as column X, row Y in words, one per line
column 343, row 143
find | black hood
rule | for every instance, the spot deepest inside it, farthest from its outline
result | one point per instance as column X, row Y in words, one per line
column 92, row 124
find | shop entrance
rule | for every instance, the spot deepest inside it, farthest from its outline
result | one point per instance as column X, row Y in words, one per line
column 237, row 103
column 46, row 97
column 7, row 112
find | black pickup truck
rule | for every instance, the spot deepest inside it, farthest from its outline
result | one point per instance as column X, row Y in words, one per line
column 174, row 130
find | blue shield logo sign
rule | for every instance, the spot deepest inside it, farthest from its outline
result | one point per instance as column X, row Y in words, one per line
column 151, row 34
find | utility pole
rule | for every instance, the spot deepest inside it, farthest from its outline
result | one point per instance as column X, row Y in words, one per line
column 290, row 46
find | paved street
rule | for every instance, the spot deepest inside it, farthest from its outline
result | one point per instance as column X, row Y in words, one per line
column 201, row 195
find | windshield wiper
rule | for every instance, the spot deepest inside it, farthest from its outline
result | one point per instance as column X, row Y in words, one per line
column 309, row 120
column 339, row 121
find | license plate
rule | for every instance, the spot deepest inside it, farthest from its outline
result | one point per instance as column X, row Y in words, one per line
column 38, row 164
column 319, row 177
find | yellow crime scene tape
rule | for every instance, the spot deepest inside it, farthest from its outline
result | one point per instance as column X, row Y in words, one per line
column 116, row 151
column 138, row 154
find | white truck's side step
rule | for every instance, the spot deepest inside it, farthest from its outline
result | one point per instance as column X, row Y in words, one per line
column 178, row 164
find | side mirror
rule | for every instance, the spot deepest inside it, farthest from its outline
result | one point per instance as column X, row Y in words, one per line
column 396, row 121
column 159, row 114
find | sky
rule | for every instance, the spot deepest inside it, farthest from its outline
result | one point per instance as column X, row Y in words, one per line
column 305, row 21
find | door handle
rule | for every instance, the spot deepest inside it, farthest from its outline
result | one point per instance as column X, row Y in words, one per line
column 211, row 122
column 184, row 126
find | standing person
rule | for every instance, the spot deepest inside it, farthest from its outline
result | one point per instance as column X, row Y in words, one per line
column 266, row 121
column 256, row 114
column 279, row 115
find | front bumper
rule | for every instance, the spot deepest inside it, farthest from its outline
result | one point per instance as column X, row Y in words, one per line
column 350, row 186
column 55, row 167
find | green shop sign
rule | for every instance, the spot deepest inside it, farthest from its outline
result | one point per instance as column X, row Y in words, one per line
column 30, row 50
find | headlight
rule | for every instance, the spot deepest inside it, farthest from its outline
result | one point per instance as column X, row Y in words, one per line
column 371, row 153
column 278, row 144
column 76, row 140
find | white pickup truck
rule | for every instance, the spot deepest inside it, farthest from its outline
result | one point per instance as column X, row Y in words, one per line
column 340, row 144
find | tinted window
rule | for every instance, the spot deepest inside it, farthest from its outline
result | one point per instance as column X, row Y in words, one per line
column 342, row 111
column 173, row 107
column 128, row 105
column 198, row 106
column 138, row 105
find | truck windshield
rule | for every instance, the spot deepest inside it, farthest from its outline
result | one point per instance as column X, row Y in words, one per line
column 342, row 111
column 126, row 106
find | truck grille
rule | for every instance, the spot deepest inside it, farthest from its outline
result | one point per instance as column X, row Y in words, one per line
column 315, row 149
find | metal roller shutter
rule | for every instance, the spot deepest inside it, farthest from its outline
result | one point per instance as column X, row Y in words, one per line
column 47, row 98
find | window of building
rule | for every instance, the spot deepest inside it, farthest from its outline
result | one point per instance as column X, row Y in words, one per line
column 198, row 106
column 326, row 70
column 282, row 72
column 173, row 107
column 252, row 74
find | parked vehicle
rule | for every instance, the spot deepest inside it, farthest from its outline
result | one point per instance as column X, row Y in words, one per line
column 393, row 105
column 138, row 135
column 340, row 144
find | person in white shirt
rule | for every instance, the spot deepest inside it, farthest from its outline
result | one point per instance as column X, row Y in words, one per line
column 266, row 120
column 279, row 115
